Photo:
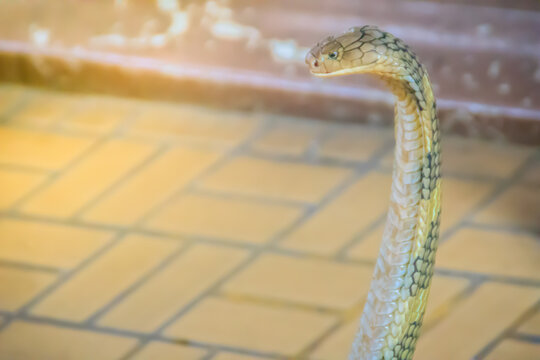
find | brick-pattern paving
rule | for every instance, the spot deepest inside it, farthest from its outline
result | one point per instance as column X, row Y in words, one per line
column 135, row 230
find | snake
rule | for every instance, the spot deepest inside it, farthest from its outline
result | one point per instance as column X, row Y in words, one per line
column 393, row 313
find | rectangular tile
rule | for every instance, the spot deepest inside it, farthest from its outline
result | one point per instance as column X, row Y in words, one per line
column 87, row 179
column 44, row 109
column 150, row 186
column 98, row 115
column 195, row 124
column 443, row 291
column 492, row 252
column 291, row 181
column 356, row 143
column 41, row 243
column 368, row 245
column 15, row 184
column 338, row 222
column 18, row 286
column 517, row 206
column 485, row 314
column 338, row 344
column 174, row 287
column 460, row 197
column 307, row 281
column 165, row 351
column 39, row 149
column 25, row 341
column 251, row 326
column 482, row 158
column 224, row 218
column 513, row 349
column 109, row 275
column 288, row 139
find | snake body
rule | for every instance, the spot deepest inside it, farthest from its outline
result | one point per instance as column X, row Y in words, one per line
column 396, row 302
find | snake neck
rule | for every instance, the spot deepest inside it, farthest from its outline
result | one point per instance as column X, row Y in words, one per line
column 395, row 304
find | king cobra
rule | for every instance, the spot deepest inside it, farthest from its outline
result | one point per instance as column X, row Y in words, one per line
column 396, row 302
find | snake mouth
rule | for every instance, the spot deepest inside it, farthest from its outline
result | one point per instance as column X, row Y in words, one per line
column 356, row 70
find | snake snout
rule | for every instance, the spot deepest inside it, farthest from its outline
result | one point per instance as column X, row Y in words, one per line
column 312, row 61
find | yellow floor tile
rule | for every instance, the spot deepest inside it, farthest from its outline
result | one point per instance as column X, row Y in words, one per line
column 476, row 157
column 485, row 314
column 459, row 197
column 531, row 325
column 98, row 115
column 367, row 248
column 87, row 179
column 443, row 290
column 171, row 289
column 100, row 282
column 9, row 97
column 18, row 286
column 287, row 140
column 338, row 344
column 41, row 243
column 517, row 206
column 39, row 149
column 222, row 218
column 14, row 184
column 44, row 109
column 281, row 180
column 150, row 186
column 26, row 341
column 356, row 143
column 513, row 349
column 307, row 281
column 337, row 223
column 491, row 252
column 250, row 326
column 168, row 122
column 165, row 351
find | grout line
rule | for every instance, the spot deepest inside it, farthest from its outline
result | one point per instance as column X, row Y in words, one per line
column 359, row 237
column 506, row 333
column 62, row 279
column 56, row 175
column 220, row 161
column 500, row 188
column 92, row 319
column 30, row 267
column 535, row 339
column 109, row 190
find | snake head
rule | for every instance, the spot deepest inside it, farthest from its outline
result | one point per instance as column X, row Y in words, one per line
column 358, row 50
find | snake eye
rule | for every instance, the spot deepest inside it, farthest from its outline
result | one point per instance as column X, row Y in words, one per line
column 333, row 55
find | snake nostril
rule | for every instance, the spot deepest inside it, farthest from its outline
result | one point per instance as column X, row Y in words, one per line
column 315, row 63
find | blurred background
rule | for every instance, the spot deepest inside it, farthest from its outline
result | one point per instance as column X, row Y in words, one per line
column 174, row 184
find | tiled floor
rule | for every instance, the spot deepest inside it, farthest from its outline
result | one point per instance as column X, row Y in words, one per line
column 134, row 230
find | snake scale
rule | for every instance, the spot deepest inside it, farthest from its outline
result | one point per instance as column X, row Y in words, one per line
column 396, row 302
